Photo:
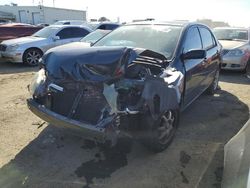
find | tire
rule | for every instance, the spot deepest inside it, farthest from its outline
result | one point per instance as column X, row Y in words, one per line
column 248, row 69
column 162, row 132
column 31, row 56
column 215, row 84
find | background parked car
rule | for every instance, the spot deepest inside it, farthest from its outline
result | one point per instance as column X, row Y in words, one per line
column 104, row 25
column 108, row 26
column 30, row 49
column 15, row 30
column 3, row 21
column 42, row 25
column 236, row 47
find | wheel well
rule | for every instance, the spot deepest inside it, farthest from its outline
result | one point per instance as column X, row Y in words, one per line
column 35, row 48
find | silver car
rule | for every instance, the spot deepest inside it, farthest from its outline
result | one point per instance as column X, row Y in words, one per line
column 30, row 49
column 236, row 47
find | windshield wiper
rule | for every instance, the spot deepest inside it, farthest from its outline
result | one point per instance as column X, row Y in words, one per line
column 240, row 39
column 225, row 39
column 233, row 39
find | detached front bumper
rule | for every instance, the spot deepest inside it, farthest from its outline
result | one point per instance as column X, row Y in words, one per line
column 13, row 56
column 87, row 130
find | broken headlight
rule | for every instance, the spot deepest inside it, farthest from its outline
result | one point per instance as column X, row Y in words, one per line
column 37, row 82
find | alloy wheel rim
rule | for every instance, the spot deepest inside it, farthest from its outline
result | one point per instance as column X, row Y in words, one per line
column 166, row 127
column 33, row 57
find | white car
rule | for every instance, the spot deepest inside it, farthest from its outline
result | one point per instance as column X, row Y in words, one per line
column 30, row 49
column 236, row 47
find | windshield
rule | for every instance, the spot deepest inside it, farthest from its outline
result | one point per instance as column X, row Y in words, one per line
column 94, row 36
column 231, row 34
column 93, row 25
column 159, row 38
column 45, row 32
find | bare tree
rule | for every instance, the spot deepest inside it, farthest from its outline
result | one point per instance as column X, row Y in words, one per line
column 103, row 19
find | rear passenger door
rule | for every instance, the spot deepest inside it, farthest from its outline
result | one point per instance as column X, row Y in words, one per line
column 71, row 34
column 193, row 67
column 211, row 62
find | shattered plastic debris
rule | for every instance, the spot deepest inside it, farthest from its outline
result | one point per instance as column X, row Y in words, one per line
column 111, row 95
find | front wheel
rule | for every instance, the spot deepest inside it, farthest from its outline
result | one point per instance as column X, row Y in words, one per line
column 248, row 69
column 162, row 131
column 214, row 86
column 31, row 57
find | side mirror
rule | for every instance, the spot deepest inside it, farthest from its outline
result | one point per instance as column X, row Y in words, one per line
column 55, row 38
column 194, row 54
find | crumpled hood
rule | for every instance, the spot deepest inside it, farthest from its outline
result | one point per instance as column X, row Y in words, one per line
column 228, row 44
column 22, row 40
column 80, row 63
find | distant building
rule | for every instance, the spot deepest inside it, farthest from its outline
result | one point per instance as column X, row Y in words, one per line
column 42, row 14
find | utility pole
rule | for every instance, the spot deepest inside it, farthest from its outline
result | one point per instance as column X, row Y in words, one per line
column 53, row 3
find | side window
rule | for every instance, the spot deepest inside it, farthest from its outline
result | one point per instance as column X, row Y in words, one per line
column 207, row 38
column 193, row 40
column 72, row 32
column 78, row 32
column 64, row 33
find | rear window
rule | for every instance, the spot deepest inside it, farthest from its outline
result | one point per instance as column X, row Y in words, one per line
column 231, row 34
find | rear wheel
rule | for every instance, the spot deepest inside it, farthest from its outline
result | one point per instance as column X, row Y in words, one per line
column 214, row 86
column 31, row 57
column 162, row 132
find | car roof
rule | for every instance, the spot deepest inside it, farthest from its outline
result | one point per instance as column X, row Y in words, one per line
column 232, row 28
column 65, row 26
column 181, row 23
column 156, row 23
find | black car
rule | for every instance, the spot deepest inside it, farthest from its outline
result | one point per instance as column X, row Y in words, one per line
column 103, row 25
column 108, row 26
column 135, row 81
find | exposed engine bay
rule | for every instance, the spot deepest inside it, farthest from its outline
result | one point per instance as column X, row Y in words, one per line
column 105, row 87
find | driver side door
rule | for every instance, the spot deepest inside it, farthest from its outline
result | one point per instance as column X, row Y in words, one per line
column 193, row 67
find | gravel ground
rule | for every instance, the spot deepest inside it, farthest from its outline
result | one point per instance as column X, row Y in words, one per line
column 34, row 154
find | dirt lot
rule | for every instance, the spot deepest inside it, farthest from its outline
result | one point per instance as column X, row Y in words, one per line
column 34, row 154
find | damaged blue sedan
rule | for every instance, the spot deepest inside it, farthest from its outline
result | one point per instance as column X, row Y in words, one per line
column 133, row 82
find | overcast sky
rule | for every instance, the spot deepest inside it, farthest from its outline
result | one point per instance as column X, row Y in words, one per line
column 235, row 12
